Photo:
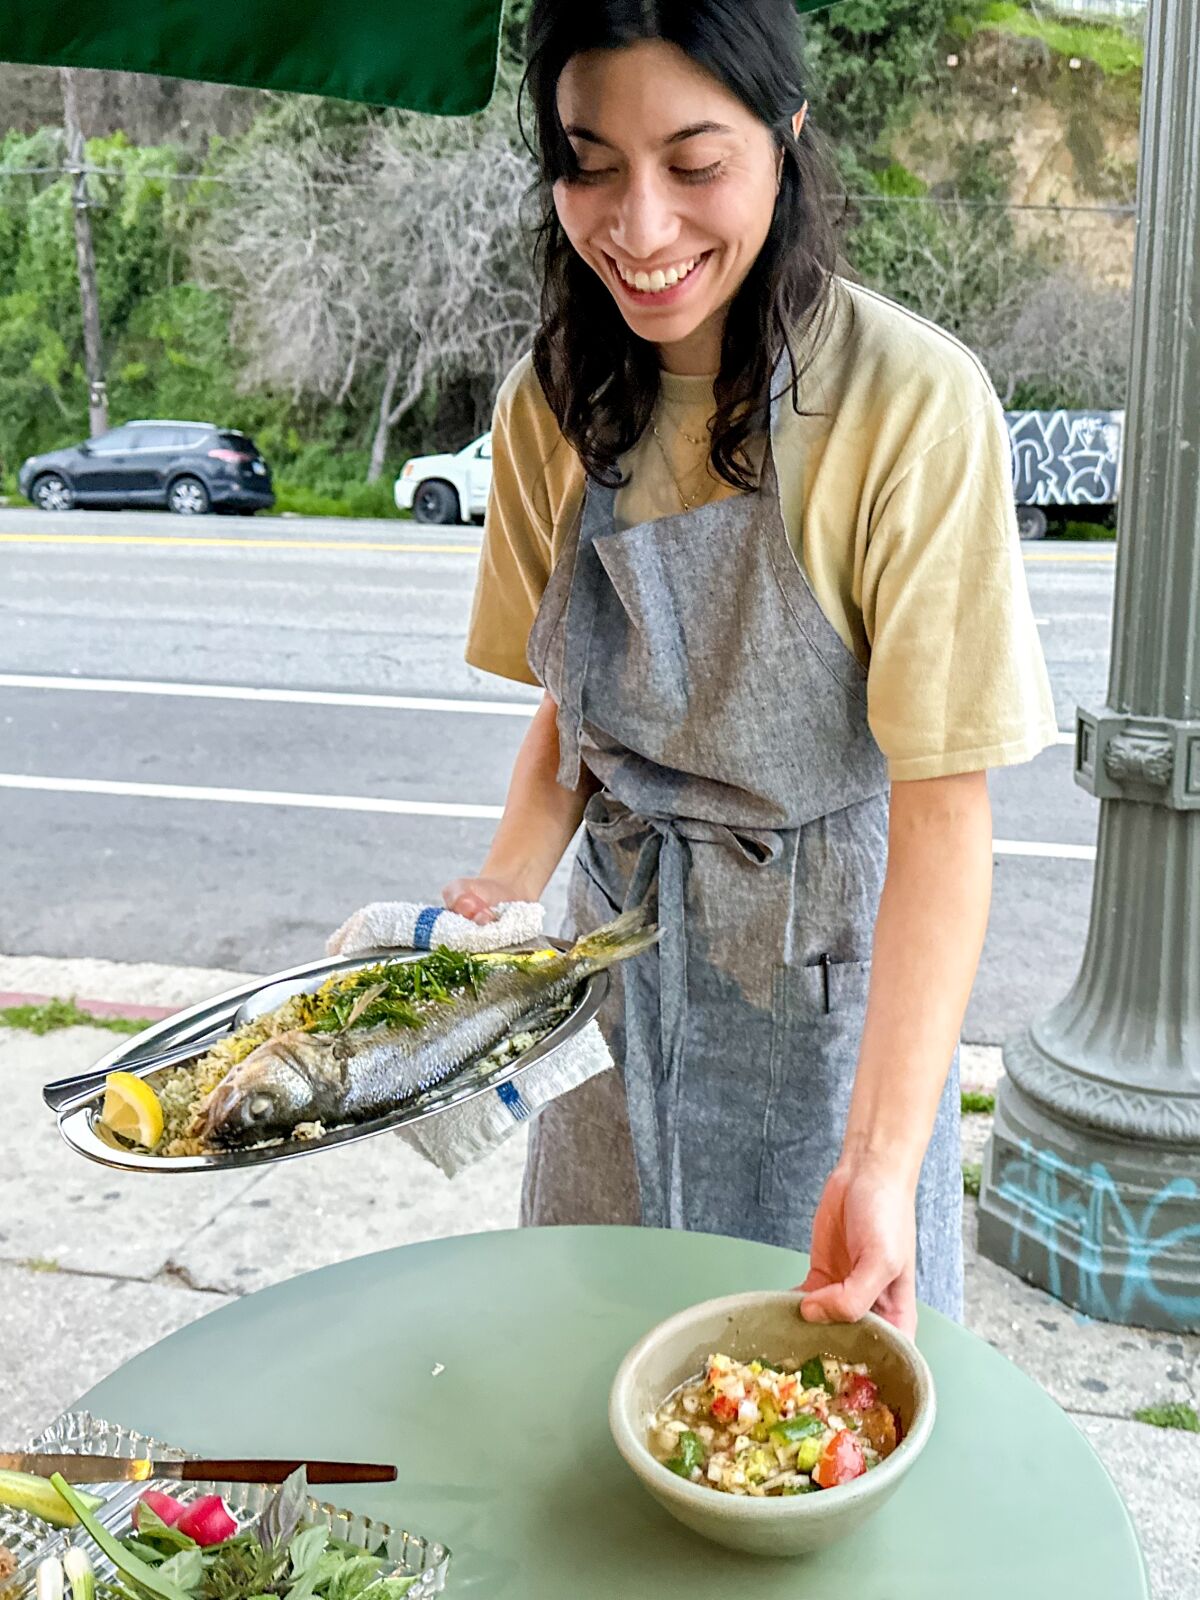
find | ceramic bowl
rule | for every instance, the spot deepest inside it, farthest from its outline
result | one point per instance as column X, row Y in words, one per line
column 745, row 1326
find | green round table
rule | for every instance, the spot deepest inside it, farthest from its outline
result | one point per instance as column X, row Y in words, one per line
column 505, row 1454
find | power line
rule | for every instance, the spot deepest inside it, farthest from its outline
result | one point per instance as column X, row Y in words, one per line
column 356, row 183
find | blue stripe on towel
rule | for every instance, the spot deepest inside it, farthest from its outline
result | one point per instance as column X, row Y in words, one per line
column 423, row 931
column 510, row 1096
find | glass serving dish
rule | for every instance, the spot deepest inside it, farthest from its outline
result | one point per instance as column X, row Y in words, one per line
column 408, row 1555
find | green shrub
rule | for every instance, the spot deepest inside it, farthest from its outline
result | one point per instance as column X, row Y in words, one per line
column 1114, row 49
column 350, row 500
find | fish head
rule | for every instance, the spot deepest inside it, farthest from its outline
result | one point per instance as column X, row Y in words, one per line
column 277, row 1086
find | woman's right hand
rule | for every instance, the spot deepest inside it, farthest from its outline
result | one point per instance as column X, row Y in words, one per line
column 477, row 898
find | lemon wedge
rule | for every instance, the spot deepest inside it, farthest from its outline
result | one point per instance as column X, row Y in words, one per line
column 132, row 1109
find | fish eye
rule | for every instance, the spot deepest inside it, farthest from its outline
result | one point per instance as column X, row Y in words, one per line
column 258, row 1107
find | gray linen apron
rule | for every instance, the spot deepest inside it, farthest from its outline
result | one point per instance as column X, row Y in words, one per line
column 743, row 793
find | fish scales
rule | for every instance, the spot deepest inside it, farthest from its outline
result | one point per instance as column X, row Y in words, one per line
column 357, row 1074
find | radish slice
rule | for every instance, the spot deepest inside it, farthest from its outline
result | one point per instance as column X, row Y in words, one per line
column 164, row 1506
column 207, row 1521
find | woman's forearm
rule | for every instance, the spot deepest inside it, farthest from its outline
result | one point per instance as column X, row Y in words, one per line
column 928, row 938
column 540, row 816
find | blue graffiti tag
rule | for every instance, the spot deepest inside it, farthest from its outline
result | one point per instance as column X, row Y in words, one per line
column 1035, row 1184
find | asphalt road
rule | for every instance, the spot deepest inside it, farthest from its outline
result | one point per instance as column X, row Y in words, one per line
column 234, row 830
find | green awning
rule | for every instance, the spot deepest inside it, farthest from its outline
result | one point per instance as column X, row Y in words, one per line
column 429, row 55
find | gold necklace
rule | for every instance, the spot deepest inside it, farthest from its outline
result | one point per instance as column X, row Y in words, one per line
column 683, row 434
column 688, row 505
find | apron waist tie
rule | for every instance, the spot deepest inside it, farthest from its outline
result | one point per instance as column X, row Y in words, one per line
column 652, row 1087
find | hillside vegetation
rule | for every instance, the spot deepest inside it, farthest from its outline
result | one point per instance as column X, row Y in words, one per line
column 347, row 283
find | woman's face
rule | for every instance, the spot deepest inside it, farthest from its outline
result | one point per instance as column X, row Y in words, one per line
column 674, row 196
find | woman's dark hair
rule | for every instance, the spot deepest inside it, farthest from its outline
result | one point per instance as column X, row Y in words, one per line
column 600, row 379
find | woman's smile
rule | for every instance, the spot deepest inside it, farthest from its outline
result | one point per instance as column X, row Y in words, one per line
column 658, row 286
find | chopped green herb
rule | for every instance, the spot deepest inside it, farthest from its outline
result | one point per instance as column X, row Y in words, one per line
column 812, row 1373
column 392, row 992
column 691, row 1455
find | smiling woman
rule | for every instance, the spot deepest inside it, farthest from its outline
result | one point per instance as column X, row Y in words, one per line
column 706, row 239
column 751, row 528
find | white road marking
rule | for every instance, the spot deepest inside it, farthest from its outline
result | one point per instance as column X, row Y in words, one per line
column 298, row 697
column 293, row 697
column 353, row 802
column 245, row 797
column 1030, row 847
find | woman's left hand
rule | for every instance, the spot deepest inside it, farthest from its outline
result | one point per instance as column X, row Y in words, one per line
column 864, row 1247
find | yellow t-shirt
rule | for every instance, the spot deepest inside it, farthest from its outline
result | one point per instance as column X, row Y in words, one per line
column 898, row 503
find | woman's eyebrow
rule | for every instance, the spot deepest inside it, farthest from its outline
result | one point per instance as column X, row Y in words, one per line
column 576, row 130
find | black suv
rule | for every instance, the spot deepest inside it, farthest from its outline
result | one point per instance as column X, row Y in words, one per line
column 189, row 467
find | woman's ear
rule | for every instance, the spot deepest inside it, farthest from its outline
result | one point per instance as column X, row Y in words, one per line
column 797, row 124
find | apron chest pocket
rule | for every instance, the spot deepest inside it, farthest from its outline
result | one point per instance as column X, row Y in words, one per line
column 818, row 1014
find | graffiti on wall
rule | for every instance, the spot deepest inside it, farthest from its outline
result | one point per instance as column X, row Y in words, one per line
column 1079, row 1216
column 1066, row 458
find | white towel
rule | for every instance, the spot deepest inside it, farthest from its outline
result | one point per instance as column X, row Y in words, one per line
column 456, row 1138
column 404, row 925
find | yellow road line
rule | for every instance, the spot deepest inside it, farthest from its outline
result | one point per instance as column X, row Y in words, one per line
column 239, row 544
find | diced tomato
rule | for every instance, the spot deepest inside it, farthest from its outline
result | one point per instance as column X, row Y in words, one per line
column 787, row 1388
column 859, row 1393
column 841, row 1460
column 724, row 1409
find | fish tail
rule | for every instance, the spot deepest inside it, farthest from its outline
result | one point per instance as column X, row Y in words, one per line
column 628, row 936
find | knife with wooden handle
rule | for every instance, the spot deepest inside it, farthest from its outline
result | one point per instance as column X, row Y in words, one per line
column 119, row 1469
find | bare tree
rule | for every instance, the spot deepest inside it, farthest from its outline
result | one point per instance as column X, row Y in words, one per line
column 1068, row 335
column 390, row 267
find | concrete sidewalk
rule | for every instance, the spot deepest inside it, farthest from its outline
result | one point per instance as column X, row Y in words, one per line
column 94, row 1266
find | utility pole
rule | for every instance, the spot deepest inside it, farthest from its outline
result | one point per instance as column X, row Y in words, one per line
column 85, row 260
column 1091, row 1183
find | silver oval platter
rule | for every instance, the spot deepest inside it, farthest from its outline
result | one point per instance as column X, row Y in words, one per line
column 80, row 1125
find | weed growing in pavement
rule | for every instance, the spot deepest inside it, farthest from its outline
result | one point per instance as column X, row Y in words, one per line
column 974, row 1104
column 1176, row 1415
column 58, row 1013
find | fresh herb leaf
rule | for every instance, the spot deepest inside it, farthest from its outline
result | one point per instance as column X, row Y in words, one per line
column 153, row 1530
column 306, row 1549
column 235, row 1571
column 355, row 1574
column 145, row 1552
column 691, row 1454
column 391, row 1588
column 812, row 1373
column 392, row 992
column 279, row 1521
column 185, row 1568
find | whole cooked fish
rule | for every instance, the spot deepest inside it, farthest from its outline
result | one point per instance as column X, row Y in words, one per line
column 363, row 1071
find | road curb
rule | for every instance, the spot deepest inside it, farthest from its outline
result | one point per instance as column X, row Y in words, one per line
column 99, row 1008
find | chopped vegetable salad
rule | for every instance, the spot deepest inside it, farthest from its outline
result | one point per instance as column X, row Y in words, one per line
column 763, row 1428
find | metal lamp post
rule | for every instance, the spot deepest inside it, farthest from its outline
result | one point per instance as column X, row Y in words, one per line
column 1091, row 1185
